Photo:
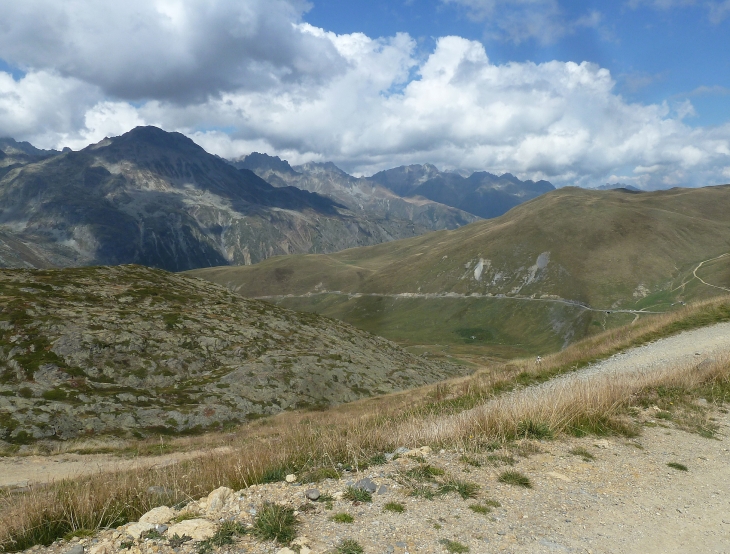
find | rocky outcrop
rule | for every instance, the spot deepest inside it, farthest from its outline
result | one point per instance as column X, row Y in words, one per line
column 130, row 349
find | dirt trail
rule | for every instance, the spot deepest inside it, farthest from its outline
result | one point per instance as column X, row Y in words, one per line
column 21, row 471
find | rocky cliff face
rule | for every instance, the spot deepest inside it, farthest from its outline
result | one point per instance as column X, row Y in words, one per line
column 158, row 199
column 130, row 349
column 361, row 196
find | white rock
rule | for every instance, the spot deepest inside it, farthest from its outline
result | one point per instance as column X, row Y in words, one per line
column 219, row 499
column 285, row 550
column 104, row 548
column 197, row 529
column 159, row 515
column 135, row 530
column 338, row 495
column 291, row 478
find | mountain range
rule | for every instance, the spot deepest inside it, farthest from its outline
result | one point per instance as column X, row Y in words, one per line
column 417, row 192
column 156, row 198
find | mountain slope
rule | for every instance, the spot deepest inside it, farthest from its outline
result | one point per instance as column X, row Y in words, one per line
column 359, row 195
column 132, row 349
column 480, row 193
column 509, row 277
column 158, row 199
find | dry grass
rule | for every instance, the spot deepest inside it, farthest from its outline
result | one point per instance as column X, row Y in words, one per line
column 473, row 415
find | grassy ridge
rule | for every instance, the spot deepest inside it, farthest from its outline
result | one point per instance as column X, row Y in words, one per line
column 352, row 434
column 607, row 249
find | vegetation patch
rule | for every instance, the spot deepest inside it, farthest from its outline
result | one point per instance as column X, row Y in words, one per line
column 342, row 517
column 349, row 546
column 677, row 466
column 356, row 494
column 583, row 453
column 515, row 478
column 275, row 523
column 395, row 507
column 454, row 547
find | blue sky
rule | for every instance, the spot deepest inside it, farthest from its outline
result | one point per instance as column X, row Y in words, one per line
column 580, row 93
column 655, row 54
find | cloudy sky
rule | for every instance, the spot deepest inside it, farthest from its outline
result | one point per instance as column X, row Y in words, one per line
column 575, row 91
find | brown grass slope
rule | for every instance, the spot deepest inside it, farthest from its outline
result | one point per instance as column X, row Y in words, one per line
column 598, row 247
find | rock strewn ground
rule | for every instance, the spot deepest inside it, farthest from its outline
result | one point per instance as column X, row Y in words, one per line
column 625, row 500
column 130, row 349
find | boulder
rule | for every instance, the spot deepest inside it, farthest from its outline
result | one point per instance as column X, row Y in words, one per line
column 197, row 529
column 219, row 499
column 136, row 530
column 158, row 516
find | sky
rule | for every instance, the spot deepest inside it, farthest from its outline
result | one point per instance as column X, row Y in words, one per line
column 576, row 92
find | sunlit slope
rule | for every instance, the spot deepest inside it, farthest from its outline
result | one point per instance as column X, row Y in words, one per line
column 551, row 271
column 607, row 249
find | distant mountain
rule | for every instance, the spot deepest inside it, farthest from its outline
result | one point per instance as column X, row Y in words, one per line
column 11, row 147
column 158, row 199
column 614, row 186
column 15, row 154
column 359, row 195
column 480, row 193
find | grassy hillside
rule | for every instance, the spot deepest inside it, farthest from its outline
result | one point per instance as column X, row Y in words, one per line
column 608, row 250
column 130, row 351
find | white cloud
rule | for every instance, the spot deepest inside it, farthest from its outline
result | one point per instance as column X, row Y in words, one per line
column 388, row 106
column 166, row 49
column 521, row 20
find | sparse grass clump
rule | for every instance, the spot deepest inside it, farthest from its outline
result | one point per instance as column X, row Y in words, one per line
column 224, row 536
column 275, row 523
column 320, row 474
column 79, row 533
column 677, row 466
column 496, row 459
column 342, row 517
column 349, row 546
column 356, row 494
column 480, row 509
column 396, row 507
column 532, row 429
column 515, row 478
column 454, row 547
column 424, row 472
column 465, row 489
column 583, row 453
column 474, row 462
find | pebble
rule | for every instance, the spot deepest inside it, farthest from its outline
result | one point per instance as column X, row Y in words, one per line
column 291, row 478
column 312, row 494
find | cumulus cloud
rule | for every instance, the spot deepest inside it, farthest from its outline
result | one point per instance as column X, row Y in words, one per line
column 521, row 20
column 556, row 120
column 389, row 104
column 177, row 50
